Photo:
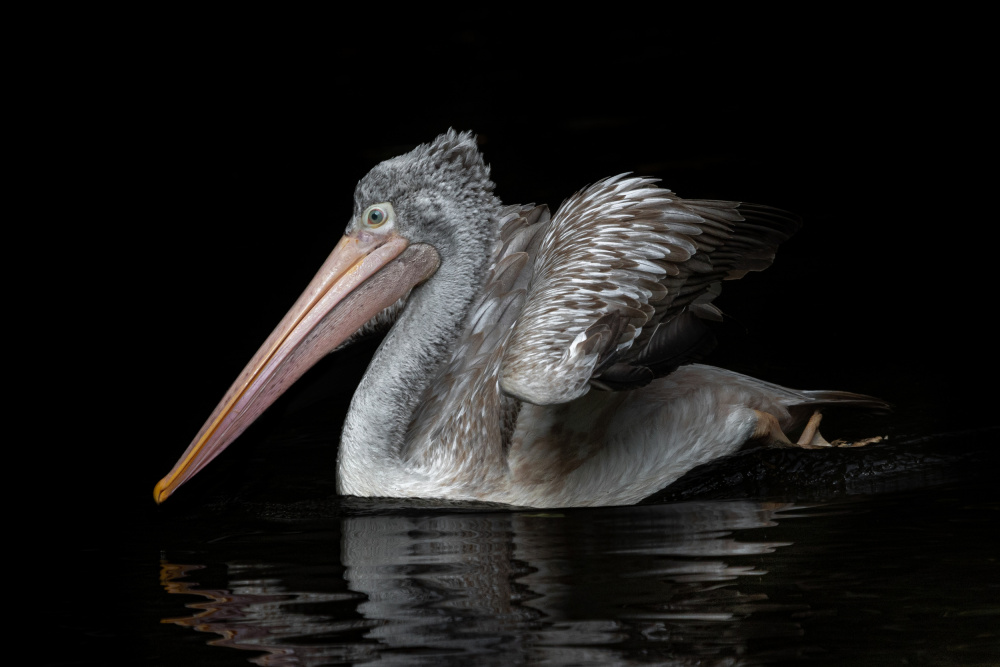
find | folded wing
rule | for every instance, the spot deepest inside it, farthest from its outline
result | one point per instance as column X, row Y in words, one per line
column 609, row 292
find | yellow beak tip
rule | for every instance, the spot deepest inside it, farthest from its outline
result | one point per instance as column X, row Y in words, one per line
column 160, row 492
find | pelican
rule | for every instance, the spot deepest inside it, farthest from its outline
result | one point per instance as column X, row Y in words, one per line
column 533, row 359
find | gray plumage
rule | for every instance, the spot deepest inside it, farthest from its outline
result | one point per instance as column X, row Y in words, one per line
column 481, row 390
column 504, row 321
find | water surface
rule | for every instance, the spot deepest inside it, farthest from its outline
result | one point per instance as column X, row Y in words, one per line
column 898, row 571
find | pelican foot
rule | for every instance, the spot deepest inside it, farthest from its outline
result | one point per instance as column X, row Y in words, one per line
column 769, row 431
column 811, row 438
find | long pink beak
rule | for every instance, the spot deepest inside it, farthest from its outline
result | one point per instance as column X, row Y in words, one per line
column 364, row 274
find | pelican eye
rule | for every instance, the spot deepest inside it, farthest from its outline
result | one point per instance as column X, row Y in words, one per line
column 378, row 215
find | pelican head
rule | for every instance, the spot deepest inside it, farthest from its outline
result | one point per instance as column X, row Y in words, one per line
column 412, row 214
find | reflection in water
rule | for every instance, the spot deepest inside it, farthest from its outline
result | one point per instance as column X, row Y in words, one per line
column 588, row 586
column 255, row 614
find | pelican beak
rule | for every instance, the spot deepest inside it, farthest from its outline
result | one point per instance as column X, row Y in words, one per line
column 364, row 274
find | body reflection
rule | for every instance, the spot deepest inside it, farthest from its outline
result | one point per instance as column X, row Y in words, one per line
column 578, row 587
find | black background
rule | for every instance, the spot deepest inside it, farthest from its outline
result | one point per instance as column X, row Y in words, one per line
column 197, row 170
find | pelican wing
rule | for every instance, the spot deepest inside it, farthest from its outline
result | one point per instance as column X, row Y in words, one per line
column 609, row 291
column 618, row 281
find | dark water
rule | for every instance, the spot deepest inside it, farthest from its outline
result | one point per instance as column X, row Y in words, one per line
column 896, row 564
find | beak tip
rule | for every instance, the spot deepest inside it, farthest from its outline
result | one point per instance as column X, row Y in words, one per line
column 160, row 492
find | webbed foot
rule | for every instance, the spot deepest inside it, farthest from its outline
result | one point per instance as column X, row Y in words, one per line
column 769, row 430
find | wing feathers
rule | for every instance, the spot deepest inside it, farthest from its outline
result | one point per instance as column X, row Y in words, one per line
column 610, row 291
column 626, row 247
